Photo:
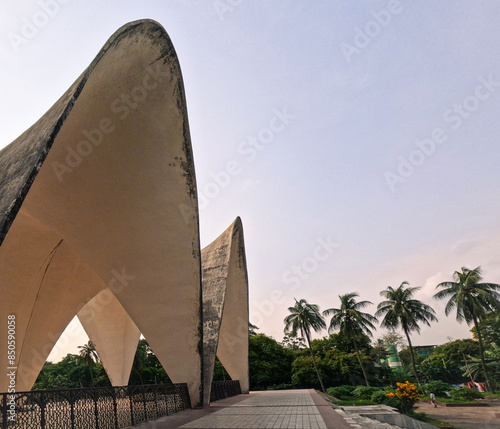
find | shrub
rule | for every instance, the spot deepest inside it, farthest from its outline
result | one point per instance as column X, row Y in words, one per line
column 394, row 402
column 404, row 399
column 340, row 391
column 364, row 392
column 439, row 388
column 466, row 394
column 283, row 386
column 379, row 397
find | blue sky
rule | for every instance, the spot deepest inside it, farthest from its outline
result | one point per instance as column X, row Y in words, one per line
column 340, row 99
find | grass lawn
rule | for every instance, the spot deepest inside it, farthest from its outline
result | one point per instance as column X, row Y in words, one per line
column 349, row 400
column 491, row 395
column 450, row 401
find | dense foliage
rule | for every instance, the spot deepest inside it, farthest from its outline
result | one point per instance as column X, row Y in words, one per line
column 85, row 370
column 71, row 372
column 438, row 387
column 305, row 317
column 473, row 301
column 466, row 394
column 400, row 309
column 270, row 362
column 352, row 323
column 344, row 358
column 146, row 368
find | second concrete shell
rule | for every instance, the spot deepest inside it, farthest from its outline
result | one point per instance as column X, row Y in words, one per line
column 225, row 307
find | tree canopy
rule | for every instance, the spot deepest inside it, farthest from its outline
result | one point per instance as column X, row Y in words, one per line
column 400, row 309
column 472, row 300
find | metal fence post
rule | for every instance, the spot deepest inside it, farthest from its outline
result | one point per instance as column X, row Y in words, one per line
column 131, row 406
column 156, row 400
column 144, row 402
column 72, row 402
column 114, row 407
column 42, row 410
column 96, row 409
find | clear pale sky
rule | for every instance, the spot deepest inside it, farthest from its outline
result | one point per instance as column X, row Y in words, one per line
column 358, row 141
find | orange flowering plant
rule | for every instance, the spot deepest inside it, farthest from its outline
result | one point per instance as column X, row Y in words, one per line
column 405, row 397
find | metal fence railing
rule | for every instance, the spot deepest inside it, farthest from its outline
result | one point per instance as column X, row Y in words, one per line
column 224, row 389
column 91, row 408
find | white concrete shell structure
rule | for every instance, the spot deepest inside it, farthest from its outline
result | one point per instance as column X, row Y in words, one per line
column 113, row 333
column 225, row 307
column 89, row 202
column 225, row 317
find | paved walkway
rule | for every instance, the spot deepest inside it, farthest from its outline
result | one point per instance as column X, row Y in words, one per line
column 293, row 409
column 284, row 409
column 466, row 417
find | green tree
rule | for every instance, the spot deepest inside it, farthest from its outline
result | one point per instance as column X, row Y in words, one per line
column 401, row 310
column 338, row 362
column 70, row 372
column 490, row 329
column 89, row 357
column 303, row 317
column 252, row 329
column 88, row 354
column 352, row 322
column 220, row 373
column 146, row 368
column 294, row 343
column 336, row 366
column 449, row 361
column 393, row 338
column 344, row 343
column 270, row 362
column 472, row 301
column 140, row 363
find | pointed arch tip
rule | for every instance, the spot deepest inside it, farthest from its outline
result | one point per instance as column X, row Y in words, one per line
column 23, row 158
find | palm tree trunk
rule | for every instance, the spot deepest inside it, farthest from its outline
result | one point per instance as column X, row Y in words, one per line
column 361, row 364
column 468, row 369
column 481, row 353
column 314, row 362
column 413, row 358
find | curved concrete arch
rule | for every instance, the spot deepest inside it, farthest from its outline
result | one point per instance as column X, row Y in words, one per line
column 225, row 307
column 32, row 279
column 98, row 182
column 225, row 316
column 113, row 333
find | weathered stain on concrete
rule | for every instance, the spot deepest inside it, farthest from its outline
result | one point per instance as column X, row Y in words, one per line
column 116, row 210
column 225, row 307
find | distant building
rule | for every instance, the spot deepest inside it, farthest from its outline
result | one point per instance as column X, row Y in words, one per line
column 393, row 359
column 424, row 350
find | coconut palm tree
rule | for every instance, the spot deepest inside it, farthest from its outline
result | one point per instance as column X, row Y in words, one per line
column 472, row 301
column 401, row 310
column 303, row 317
column 89, row 357
column 352, row 322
